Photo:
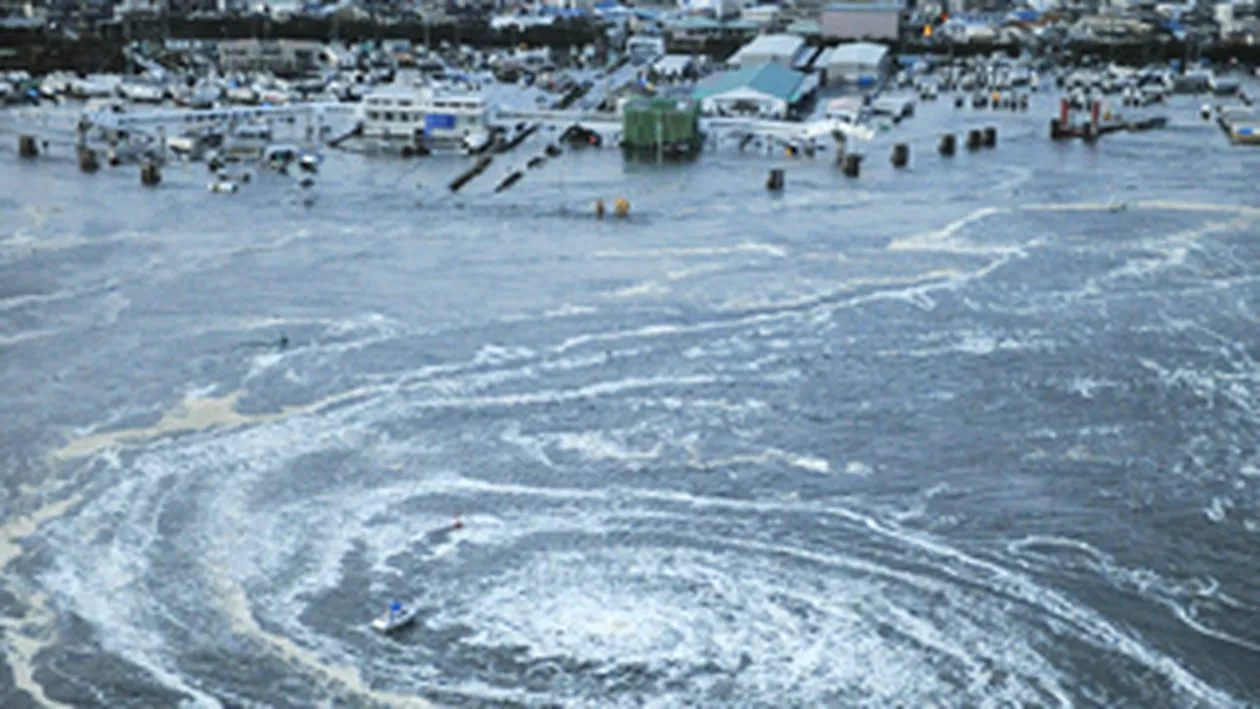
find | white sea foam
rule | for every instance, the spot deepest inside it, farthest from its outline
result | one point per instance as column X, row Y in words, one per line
column 747, row 247
column 646, row 288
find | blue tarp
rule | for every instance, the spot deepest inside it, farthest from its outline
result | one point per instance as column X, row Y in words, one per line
column 438, row 121
column 1024, row 15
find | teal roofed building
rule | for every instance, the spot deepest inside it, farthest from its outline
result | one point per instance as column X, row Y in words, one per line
column 765, row 90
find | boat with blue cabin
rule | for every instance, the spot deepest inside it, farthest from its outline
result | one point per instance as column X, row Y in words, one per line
column 395, row 618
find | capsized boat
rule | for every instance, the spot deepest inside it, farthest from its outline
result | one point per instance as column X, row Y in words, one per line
column 396, row 618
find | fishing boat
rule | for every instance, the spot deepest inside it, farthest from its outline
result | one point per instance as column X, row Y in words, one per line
column 395, row 618
column 139, row 91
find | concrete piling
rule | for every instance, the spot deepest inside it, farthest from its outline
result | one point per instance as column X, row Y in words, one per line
column 975, row 139
column 900, row 155
column 28, row 147
column 852, row 165
column 775, row 181
column 150, row 175
column 990, row 137
column 88, row 161
column 949, row 143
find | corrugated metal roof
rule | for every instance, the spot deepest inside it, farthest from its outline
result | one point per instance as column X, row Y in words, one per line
column 769, row 78
column 778, row 45
column 858, row 53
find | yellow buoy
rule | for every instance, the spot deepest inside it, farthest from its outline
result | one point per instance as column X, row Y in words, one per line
column 621, row 208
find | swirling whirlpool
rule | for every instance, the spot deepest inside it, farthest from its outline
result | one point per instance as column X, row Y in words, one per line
column 229, row 561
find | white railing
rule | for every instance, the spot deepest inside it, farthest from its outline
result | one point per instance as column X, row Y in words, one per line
column 123, row 121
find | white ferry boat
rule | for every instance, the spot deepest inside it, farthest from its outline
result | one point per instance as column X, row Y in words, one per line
column 426, row 119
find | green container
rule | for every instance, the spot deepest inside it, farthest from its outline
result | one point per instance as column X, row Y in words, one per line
column 647, row 122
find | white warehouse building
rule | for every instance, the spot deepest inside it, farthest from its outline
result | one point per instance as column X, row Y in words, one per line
column 862, row 64
column 778, row 49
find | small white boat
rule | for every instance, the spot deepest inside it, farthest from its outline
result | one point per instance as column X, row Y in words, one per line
column 396, row 618
column 310, row 162
column 477, row 142
column 142, row 92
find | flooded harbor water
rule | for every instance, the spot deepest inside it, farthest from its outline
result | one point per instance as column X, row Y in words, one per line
column 982, row 432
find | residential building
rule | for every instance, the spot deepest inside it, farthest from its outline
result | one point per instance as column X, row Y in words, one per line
column 763, row 15
column 694, row 28
column 584, row 5
column 138, row 7
column 720, row 9
column 861, row 21
column 277, row 55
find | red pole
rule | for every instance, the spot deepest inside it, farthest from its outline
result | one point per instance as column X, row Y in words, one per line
column 1093, row 112
column 1064, row 107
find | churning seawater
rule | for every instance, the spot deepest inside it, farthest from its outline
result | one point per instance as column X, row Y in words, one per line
column 969, row 434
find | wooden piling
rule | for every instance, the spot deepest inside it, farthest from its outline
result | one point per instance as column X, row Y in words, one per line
column 900, row 155
column 852, row 165
column 88, row 161
column 775, row 181
column 150, row 175
column 28, row 147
